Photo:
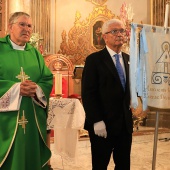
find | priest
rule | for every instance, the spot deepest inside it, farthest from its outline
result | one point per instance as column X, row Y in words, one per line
column 25, row 86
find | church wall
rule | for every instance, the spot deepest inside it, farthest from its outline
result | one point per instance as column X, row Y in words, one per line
column 66, row 10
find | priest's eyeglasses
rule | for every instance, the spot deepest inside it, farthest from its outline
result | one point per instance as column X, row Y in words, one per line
column 115, row 32
column 23, row 25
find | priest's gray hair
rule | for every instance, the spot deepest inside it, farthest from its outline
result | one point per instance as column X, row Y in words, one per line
column 16, row 15
column 106, row 25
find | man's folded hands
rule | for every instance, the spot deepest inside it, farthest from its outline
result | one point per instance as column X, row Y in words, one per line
column 28, row 88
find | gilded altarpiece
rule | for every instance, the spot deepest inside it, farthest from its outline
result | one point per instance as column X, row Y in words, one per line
column 81, row 37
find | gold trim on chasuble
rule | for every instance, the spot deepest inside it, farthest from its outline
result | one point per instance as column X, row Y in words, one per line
column 11, row 141
column 23, row 121
column 39, row 130
column 22, row 76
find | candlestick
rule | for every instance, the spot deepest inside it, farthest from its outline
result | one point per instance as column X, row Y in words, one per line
column 58, row 84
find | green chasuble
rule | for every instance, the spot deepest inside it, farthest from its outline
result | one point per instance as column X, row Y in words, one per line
column 23, row 147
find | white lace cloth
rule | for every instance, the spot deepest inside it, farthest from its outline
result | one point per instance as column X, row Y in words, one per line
column 66, row 116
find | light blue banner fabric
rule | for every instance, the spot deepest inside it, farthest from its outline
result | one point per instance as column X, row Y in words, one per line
column 150, row 67
column 133, row 66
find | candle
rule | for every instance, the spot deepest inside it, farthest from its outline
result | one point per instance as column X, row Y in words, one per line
column 166, row 15
column 58, row 83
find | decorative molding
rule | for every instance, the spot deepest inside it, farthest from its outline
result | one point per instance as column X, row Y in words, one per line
column 58, row 62
column 97, row 2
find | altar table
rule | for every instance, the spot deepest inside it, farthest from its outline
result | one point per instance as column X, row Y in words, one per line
column 66, row 116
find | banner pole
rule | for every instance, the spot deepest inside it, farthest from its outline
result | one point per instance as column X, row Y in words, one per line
column 166, row 15
column 155, row 141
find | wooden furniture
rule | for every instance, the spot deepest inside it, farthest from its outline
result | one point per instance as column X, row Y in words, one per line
column 59, row 63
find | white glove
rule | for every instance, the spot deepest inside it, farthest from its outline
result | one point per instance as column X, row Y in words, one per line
column 100, row 129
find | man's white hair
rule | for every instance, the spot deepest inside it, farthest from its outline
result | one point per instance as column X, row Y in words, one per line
column 107, row 24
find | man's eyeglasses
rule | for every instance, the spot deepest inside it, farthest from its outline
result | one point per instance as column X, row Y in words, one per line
column 115, row 32
column 23, row 25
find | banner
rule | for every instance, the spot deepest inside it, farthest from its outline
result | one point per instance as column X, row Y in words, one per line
column 153, row 67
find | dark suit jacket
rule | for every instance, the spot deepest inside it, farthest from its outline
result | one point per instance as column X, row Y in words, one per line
column 103, row 96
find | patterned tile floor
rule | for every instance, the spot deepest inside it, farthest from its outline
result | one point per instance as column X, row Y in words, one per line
column 141, row 157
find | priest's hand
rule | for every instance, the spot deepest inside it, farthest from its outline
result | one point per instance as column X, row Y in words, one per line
column 28, row 88
column 100, row 129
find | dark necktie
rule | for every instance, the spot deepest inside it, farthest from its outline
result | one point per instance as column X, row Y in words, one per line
column 120, row 70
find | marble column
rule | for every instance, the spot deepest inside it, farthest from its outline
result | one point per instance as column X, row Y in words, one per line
column 14, row 6
column 19, row 5
column 53, row 26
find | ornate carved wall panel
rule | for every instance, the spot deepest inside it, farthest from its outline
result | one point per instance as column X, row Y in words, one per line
column 81, row 37
column 97, row 2
column 61, row 63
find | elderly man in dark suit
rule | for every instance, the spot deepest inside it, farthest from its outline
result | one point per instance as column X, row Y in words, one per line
column 106, row 100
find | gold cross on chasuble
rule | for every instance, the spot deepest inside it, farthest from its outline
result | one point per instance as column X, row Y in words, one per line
column 23, row 121
column 22, row 76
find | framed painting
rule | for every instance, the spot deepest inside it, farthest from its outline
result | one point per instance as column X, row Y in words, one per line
column 97, row 38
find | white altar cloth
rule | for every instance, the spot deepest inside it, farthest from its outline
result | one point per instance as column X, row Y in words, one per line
column 66, row 116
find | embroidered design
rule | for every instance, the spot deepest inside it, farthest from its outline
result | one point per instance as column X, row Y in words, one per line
column 22, row 76
column 161, row 73
column 59, row 104
column 5, row 101
column 23, row 121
